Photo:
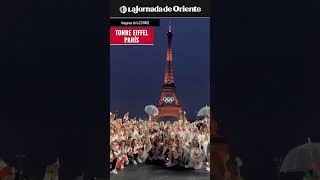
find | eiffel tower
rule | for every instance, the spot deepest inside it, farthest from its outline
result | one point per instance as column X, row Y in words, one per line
column 168, row 104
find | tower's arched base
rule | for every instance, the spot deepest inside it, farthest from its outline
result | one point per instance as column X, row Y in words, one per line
column 169, row 111
column 168, row 118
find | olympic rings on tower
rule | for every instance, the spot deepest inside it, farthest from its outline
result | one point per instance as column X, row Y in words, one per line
column 168, row 99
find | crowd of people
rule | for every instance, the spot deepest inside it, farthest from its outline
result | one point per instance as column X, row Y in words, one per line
column 179, row 143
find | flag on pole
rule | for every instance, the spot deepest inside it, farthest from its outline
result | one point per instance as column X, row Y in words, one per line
column 126, row 116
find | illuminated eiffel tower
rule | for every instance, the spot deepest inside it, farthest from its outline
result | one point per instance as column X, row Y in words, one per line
column 168, row 104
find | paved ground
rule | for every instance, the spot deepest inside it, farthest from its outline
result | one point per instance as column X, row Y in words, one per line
column 155, row 172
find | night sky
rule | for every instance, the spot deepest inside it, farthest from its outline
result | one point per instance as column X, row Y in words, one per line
column 266, row 74
column 54, row 81
column 54, row 85
column 137, row 72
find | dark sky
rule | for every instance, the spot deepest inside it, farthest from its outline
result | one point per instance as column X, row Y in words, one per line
column 137, row 72
column 53, row 99
column 53, row 75
column 266, row 77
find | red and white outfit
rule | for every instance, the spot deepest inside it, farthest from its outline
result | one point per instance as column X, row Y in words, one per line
column 121, row 156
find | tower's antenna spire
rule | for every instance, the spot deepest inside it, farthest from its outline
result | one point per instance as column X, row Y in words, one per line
column 168, row 79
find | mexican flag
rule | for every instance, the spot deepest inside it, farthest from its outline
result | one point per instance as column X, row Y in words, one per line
column 5, row 170
column 121, row 158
